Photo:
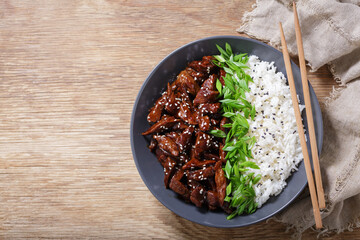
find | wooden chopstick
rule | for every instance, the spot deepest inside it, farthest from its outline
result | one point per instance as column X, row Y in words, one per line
column 308, row 108
column 295, row 103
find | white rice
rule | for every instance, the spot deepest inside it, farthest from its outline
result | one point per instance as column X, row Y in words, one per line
column 277, row 150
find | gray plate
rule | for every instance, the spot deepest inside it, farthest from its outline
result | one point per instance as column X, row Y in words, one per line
column 150, row 169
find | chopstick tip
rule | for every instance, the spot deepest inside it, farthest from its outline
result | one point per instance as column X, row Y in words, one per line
column 281, row 29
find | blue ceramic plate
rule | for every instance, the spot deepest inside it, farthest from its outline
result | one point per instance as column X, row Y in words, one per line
column 150, row 169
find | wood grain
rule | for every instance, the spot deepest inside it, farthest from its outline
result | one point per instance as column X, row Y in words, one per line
column 69, row 75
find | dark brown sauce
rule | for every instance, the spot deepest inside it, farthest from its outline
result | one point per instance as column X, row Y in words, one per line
column 181, row 118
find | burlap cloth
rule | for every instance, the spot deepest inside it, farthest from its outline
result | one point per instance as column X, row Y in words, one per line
column 331, row 35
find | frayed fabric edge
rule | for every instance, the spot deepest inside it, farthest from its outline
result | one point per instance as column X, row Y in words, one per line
column 246, row 19
column 337, row 78
column 276, row 45
column 297, row 230
column 350, row 226
column 334, row 94
column 324, row 232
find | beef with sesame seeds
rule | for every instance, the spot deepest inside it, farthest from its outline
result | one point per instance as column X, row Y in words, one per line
column 156, row 111
column 206, row 65
column 220, row 182
column 201, row 174
column 222, row 75
column 205, row 95
column 210, row 82
column 183, row 116
column 211, row 156
column 179, row 126
column 222, row 153
column 163, row 125
column 173, row 135
column 223, row 121
column 169, row 169
column 167, row 145
column 186, row 114
column 184, row 139
column 212, row 200
column 153, row 144
column 202, row 143
column 199, row 77
column 204, row 123
column 214, row 123
column 195, row 163
column 171, row 104
column 197, row 196
column 210, row 108
column 161, row 156
column 185, row 83
column 177, row 186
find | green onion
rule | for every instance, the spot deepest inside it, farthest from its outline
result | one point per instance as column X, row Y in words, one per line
column 218, row 133
column 239, row 192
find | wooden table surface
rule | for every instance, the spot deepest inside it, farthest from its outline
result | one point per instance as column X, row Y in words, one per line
column 69, row 75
